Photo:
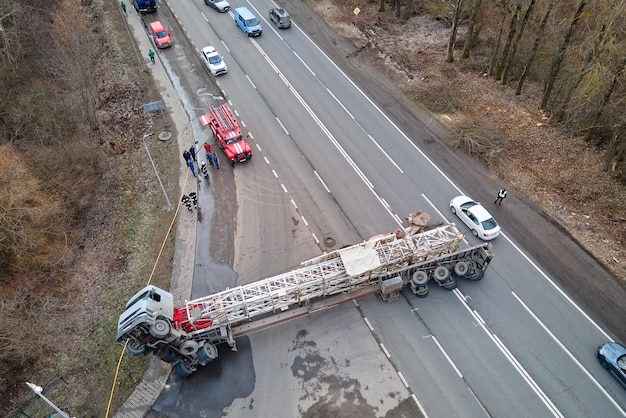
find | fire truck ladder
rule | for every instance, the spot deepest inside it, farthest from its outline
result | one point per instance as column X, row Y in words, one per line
column 225, row 118
column 357, row 270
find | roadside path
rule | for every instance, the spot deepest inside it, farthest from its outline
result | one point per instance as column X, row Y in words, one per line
column 155, row 377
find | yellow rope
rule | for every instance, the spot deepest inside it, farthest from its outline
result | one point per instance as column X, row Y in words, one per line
column 169, row 230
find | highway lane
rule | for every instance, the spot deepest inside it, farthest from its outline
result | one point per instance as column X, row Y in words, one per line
column 346, row 203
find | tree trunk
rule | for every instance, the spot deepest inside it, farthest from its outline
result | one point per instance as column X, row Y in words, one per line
column 455, row 24
column 509, row 40
column 381, row 7
column 509, row 60
column 605, row 100
column 560, row 55
column 470, row 29
column 591, row 57
column 533, row 52
column 612, row 150
column 496, row 50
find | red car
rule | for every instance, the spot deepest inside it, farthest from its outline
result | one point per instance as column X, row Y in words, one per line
column 162, row 38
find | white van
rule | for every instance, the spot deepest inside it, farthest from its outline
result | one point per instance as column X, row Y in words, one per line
column 247, row 22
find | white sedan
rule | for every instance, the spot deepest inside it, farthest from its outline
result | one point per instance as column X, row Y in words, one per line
column 214, row 61
column 476, row 217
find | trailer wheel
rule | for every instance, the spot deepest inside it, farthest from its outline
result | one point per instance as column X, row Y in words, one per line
column 183, row 370
column 478, row 275
column 420, row 278
column 450, row 284
column 461, row 269
column 421, row 291
column 160, row 329
column 441, row 274
column 207, row 353
column 135, row 348
column 189, row 347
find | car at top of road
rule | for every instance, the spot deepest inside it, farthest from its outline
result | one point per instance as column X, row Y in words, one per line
column 280, row 17
column 214, row 61
column 612, row 356
column 476, row 217
column 162, row 38
column 221, row 6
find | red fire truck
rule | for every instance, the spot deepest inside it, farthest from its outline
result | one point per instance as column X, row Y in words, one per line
column 227, row 134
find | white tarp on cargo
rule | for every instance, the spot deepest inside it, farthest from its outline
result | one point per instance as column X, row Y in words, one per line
column 358, row 260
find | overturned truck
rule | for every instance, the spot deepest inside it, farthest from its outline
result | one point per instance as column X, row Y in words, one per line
column 188, row 336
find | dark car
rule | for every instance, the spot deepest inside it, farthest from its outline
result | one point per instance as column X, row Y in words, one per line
column 280, row 17
column 612, row 356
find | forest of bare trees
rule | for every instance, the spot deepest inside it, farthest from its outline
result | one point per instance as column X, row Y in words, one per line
column 54, row 136
column 575, row 50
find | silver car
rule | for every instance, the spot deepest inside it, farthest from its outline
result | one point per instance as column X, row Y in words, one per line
column 221, row 6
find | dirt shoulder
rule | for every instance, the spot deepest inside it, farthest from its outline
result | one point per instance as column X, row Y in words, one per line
column 565, row 217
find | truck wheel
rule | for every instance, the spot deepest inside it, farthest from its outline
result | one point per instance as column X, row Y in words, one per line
column 461, row 269
column 182, row 370
column 441, row 274
column 421, row 291
column 420, row 278
column 160, row 329
column 478, row 275
column 450, row 284
column 189, row 347
column 135, row 348
column 207, row 353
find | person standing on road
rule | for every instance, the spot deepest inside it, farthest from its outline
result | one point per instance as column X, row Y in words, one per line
column 203, row 169
column 207, row 149
column 501, row 197
column 186, row 156
column 151, row 55
column 216, row 161
column 190, row 165
column 192, row 152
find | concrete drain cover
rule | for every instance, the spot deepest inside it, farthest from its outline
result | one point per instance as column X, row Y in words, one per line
column 164, row 136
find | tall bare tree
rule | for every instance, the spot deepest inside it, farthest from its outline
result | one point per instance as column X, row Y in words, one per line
column 511, row 57
column 469, row 37
column 619, row 70
column 533, row 52
column 496, row 49
column 73, row 59
column 10, row 44
column 560, row 55
column 456, row 17
column 509, row 39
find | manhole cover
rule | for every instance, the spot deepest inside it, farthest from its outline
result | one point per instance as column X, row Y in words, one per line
column 164, row 136
column 329, row 241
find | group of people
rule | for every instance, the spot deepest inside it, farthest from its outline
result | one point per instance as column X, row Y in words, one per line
column 190, row 159
column 191, row 200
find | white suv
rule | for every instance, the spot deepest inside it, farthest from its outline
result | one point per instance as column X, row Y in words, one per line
column 214, row 61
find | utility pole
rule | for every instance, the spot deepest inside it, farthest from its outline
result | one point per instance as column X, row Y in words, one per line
column 38, row 390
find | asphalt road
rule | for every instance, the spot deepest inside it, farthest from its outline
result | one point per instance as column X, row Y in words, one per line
column 330, row 162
